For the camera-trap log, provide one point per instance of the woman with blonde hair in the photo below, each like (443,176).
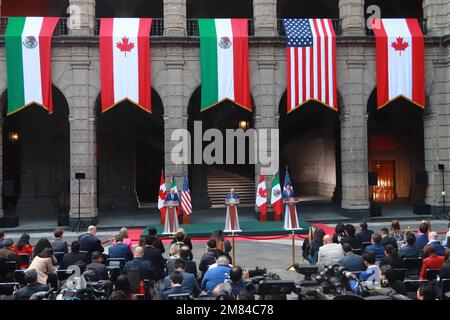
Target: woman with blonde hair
(126,239)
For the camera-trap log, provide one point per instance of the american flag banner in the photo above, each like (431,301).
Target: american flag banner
(287,178)
(311,62)
(186,204)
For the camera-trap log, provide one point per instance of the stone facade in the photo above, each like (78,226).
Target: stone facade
(176,75)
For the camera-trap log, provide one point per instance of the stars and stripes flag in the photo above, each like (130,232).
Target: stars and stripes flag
(287,179)
(186,203)
(310,62)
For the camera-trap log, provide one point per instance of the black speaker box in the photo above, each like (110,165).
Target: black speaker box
(421,209)
(375,211)
(373,178)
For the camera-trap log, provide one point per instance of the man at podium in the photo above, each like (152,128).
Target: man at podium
(171,203)
(232,219)
(290,214)
(172,196)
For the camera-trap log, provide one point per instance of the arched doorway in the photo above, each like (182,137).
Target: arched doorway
(129,8)
(308,9)
(130,156)
(396,151)
(211,182)
(36,160)
(396,9)
(219,9)
(310,148)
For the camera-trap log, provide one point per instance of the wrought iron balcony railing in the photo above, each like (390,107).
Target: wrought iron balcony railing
(156,31)
(60,30)
(422,23)
(337,24)
(192,28)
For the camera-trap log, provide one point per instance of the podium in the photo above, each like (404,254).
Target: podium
(232,218)
(290,214)
(171,223)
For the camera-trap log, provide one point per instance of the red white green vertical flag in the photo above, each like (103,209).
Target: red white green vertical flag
(276,200)
(224,62)
(400,60)
(28,42)
(125,62)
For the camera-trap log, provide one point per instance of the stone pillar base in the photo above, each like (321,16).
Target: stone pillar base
(359,214)
(9,221)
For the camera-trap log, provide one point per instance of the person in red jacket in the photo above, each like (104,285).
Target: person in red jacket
(433,261)
(23,247)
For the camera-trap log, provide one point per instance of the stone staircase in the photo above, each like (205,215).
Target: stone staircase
(219,184)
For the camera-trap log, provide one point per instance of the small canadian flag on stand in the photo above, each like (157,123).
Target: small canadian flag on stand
(162,197)
(261,198)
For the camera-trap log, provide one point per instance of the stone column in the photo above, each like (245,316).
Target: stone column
(354,155)
(175,114)
(175,18)
(83,153)
(437,13)
(82,17)
(265,17)
(352,14)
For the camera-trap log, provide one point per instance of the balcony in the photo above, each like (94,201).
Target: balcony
(337,24)
(193,31)
(156,31)
(422,23)
(60,30)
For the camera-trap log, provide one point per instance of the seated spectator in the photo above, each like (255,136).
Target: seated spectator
(330,253)
(396,232)
(316,241)
(122,284)
(386,239)
(98,266)
(208,257)
(445,269)
(218,235)
(351,261)
(118,295)
(120,249)
(410,250)
(2,238)
(184,238)
(43,264)
(58,244)
(372,274)
(422,238)
(7,252)
(217,275)
(222,291)
(236,281)
(176,282)
(135,279)
(339,233)
(432,260)
(391,258)
(364,234)
(185,253)
(376,248)
(426,292)
(350,237)
(152,254)
(175,246)
(41,245)
(433,236)
(447,237)
(32,286)
(23,246)
(190,282)
(388,277)
(74,256)
(157,242)
(89,242)
(125,238)
(145,266)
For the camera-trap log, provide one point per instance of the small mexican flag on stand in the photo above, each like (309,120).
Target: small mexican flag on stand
(173,186)
(28,42)
(276,199)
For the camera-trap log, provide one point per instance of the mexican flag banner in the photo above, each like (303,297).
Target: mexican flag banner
(28,42)
(224,62)
(125,62)
(276,200)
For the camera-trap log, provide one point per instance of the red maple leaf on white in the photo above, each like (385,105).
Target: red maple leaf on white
(262,193)
(125,45)
(400,45)
(162,195)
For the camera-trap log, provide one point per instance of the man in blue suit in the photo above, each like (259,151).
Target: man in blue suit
(190,283)
(232,194)
(172,196)
(288,192)
(120,249)
(176,283)
(376,247)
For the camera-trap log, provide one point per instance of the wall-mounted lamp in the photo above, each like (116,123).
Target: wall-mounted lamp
(243,125)
(14,137)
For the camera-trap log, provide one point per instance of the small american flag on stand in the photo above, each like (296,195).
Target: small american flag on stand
(310,62)
(186,203)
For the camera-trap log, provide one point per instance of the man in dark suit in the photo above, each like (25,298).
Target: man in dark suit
(155,257)
(145,267)
(391,258)
(176,282)
(365,235)
(158,243)
(7,253)
(73,257)
(410,250)
(58,244)
(422,239)
(386,239)
(120,249)
(98,266)
(351,261)
(172,195)
(350,237)
(376,248)
(32,286)
(209,257)
(89,242)
(190,282)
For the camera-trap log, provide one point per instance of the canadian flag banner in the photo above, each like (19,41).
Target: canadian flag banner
(125,62)
(261,198)
(400,60)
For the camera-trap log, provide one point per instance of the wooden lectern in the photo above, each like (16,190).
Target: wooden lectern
(291,221)
(171,223)
(232,219)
